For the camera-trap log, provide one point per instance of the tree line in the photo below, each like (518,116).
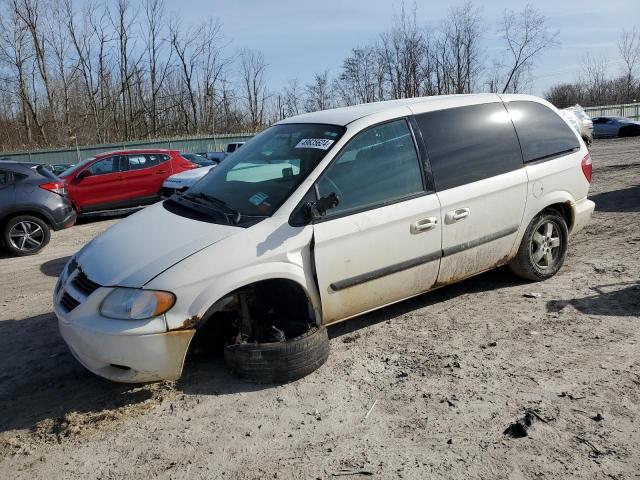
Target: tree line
(597,82)
(99,72)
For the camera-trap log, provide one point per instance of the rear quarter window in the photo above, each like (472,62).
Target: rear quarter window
(468,144)
(542,133)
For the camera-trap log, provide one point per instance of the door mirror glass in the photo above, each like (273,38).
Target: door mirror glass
(315,210)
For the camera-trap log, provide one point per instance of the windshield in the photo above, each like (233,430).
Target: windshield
(74,168)
(197,159)
(261,175)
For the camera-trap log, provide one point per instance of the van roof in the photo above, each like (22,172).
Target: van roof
(345,115)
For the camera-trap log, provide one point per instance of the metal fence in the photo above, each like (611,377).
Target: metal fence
(75,154)
(629,110)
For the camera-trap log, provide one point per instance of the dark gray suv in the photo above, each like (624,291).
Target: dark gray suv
(32,201)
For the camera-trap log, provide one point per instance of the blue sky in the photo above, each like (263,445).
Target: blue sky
(300,37)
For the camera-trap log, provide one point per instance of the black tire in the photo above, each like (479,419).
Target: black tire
(629,131)
(25,235)
(279,362)
(528,263)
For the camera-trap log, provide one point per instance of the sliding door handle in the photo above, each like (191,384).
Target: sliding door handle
(457,215)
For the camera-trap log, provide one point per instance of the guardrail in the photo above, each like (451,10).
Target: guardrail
(75,154)
(629,110)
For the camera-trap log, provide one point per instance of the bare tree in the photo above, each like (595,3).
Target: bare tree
(526,35)
(293,98)
(460,43)
(253,69)
(318,92)
(629,49)
(359,77)
(16,53)
(212,67)
(28,12)
(188,48)
(158,57)
(402,52)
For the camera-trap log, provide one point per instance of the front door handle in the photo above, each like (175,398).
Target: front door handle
(457,215)
(424,224)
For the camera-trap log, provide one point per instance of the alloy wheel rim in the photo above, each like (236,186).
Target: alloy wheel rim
(545,245)
(26,236)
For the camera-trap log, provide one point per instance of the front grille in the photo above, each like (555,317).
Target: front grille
(83,284)
(68,302)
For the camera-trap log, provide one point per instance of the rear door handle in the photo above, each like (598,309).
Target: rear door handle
(424,224)
(457,215)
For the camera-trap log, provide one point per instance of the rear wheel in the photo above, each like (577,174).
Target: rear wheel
(543,248)
(25,235)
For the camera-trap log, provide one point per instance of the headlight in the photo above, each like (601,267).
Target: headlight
(135,304)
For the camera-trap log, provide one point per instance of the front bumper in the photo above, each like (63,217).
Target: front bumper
(582,210)
(119,350)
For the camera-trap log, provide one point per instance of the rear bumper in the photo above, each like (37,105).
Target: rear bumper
(582,210)
(66,222)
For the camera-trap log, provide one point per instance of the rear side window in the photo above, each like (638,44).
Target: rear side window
(468,144)
(138,162)
(542,133)
(379,165)
(46,173)
(5,177)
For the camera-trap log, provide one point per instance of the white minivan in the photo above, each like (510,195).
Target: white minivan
(320,218)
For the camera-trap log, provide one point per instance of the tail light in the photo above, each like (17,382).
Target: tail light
(56,187)
(587,167)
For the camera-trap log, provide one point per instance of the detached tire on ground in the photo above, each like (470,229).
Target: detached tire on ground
(543,248)
(279,362)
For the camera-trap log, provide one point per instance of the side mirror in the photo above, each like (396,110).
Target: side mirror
(318,209)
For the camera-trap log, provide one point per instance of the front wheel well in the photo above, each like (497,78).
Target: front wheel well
(259,311)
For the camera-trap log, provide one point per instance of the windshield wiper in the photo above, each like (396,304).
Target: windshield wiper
(233,216)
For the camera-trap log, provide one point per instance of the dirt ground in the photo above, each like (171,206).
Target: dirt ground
(423,389)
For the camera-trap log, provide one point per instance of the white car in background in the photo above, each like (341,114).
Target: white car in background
(580,121)
(183,180)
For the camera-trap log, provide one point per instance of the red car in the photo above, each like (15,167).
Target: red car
(121,179)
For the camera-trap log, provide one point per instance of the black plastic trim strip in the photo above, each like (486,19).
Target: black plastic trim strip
(383,272)
(479,241)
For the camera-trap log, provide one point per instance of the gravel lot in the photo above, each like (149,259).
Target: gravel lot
(423,389)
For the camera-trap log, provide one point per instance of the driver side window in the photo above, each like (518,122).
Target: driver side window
(379,165)
(104,166)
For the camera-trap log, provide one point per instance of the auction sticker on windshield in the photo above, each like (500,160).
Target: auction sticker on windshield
(319,143)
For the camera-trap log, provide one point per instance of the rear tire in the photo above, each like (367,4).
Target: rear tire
(25,235)
(543,248)
(279,362)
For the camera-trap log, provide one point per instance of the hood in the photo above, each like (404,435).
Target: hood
(190,175)
(138,248)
